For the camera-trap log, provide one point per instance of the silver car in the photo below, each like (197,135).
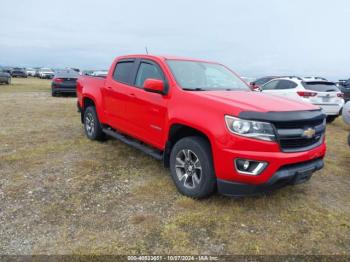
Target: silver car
(5,77)
(346,116)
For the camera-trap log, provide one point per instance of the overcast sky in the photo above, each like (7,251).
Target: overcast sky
(255,37)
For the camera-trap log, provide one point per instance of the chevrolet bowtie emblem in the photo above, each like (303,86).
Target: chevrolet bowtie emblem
(309,133)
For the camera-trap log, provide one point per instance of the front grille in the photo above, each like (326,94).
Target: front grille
(298,124)
(291,135)
(298,143)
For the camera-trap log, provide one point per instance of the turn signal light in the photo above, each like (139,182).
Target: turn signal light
(340,95)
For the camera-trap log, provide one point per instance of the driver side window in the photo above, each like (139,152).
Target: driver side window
(270,85)
(146,71)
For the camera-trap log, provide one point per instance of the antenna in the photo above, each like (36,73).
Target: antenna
(146,50)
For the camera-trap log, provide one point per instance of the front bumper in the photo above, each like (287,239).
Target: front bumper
(65,90)
(286,175)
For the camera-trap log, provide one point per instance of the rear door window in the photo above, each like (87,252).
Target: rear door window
(123,72)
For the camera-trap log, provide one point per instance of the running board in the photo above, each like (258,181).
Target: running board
(157,154)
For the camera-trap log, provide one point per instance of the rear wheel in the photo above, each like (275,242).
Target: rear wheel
(92,125)
(331,119)
(192,168)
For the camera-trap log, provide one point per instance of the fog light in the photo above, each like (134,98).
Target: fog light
(249,167)
(246,165)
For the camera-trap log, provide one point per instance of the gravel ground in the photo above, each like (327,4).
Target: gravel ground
(63,194)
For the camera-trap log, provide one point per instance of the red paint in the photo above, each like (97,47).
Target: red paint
(148,116)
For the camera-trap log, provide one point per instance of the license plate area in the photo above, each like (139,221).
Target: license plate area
(326,99)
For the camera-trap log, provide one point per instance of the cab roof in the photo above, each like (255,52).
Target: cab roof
(163,57)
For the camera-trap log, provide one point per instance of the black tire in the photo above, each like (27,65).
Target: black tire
(349,139)
(203,179)
(54,94)
(331,119)
(92,126)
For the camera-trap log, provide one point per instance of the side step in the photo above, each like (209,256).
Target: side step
(157,154)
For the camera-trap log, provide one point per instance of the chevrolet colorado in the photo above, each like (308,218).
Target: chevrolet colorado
(205,123)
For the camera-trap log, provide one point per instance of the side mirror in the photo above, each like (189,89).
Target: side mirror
(154,85)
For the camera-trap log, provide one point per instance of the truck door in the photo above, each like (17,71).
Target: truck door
(116,94)
(147,111)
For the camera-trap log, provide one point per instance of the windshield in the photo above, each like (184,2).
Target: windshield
(321,86)
(193,75)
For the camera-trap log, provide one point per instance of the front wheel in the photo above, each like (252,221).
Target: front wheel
(92,125)
(191,167)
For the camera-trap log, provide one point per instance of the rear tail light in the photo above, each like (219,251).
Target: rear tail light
(340,95)
(58,80)
(306,94)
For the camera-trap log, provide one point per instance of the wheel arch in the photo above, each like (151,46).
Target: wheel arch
(178,131)
(86,102)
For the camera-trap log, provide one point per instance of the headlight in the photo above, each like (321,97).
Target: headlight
(253,129)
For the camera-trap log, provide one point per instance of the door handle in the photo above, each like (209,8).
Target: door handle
(109,87)
(132,95)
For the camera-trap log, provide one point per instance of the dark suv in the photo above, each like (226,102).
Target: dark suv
(19,72)
(345,88)
(5,77)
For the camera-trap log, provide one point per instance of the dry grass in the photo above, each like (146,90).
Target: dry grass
(61,194)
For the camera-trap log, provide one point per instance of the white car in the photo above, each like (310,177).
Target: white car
(319,92)
(46,73)
(100,73)
(30,71)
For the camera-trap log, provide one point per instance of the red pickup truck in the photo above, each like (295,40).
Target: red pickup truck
(205,123)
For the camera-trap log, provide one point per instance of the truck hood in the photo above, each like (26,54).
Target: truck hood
(255,101)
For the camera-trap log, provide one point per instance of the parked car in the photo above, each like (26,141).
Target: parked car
(345,88)
(321,93)
(46,73)
(64,82)
(100,73)
(341,82)
(30,71)
(7,70)
(19,72)
(205,123)
(346,116)
(87,72)
(5,78)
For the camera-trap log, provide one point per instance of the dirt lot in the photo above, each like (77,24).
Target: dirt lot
(63,194)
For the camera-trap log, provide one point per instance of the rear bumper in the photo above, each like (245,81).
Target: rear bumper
(333,109)
(286,175)
(70,90)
